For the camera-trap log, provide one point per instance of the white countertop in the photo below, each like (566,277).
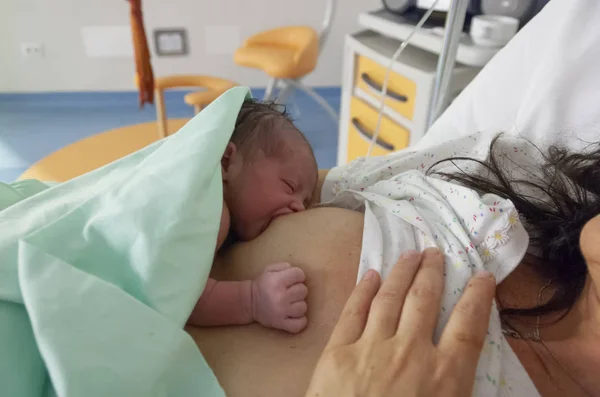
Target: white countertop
(397,27)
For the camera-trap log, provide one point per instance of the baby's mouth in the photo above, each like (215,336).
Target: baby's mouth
(266,225)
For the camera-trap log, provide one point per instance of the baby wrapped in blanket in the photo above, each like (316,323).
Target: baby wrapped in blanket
(268,170)
(99,274)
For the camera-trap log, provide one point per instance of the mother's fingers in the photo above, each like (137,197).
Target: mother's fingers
(422,304)
(352,321)
(387,305)
(465,332)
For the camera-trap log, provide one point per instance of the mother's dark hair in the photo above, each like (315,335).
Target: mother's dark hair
(566,196)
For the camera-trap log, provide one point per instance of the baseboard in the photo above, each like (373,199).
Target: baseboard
(121,97)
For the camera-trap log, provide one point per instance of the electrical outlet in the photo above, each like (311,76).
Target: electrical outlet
(32,50)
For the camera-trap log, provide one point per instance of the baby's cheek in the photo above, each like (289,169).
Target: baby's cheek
(224,226)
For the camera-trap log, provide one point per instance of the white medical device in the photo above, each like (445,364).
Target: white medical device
(388,70)
(455,19)
(442,5)
(523,10)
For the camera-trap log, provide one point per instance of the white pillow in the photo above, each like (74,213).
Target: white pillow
(544,85)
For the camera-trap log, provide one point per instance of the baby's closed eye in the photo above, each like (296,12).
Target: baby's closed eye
(290,185)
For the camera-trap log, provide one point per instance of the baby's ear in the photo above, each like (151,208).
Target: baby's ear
(227,159)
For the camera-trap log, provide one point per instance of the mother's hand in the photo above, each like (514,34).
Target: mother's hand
(383,342)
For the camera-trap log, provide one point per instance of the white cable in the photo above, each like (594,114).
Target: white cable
(389,69)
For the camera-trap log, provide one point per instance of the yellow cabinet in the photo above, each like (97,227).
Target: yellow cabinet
(401,92)
(408,97)
(363,120)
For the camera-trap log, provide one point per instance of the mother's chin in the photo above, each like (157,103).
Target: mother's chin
(589,242)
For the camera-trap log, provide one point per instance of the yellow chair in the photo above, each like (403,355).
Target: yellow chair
(283,53)
(287,55)
(95,151)
(213,88)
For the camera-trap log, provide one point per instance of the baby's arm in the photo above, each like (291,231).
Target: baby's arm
(224,303)
(277,299)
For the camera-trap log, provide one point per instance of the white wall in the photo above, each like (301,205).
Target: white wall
(65,67)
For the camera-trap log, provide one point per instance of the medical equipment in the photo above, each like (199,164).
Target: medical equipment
(455,20)
(454,24)
(398,6)
(523,10)
(539,86)
(446,5)
(493,30)
(389,69)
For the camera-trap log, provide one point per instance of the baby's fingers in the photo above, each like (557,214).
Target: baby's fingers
(277,267)
(291,276)
(294,325)
(297,309)
(297,292)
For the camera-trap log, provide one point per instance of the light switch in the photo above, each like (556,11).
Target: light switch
(170,42)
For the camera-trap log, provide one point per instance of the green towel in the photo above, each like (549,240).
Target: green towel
(14,192)
(98,275)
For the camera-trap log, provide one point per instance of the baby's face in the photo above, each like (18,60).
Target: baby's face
(268,188)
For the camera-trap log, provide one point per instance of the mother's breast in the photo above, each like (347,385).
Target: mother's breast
(255,361)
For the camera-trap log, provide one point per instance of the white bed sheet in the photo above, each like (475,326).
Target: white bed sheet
(544,85)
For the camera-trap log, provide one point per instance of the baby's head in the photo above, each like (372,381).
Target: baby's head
(269,169)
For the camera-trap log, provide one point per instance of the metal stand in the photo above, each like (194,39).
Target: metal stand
(270,90)
(317,98)
(290,85)
(454,25)
(330,7)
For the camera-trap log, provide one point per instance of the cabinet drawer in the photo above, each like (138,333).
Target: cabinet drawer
(401,91)
(363,120)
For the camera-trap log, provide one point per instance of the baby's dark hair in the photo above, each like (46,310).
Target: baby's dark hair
(259,126)
(567,196)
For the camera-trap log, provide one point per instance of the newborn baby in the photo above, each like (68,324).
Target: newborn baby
(269,170)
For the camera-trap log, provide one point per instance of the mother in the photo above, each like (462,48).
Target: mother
(550,304)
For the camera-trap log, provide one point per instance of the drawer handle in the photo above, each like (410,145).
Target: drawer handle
(369,136)
(375,86)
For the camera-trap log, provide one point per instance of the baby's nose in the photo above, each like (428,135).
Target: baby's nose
(297,206)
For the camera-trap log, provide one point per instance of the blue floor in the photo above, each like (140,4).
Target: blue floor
(35,125)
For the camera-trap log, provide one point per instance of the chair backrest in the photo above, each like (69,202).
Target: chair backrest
(305,41)
(330,7)
(214,84)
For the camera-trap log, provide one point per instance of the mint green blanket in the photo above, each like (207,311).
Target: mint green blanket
(98,275)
